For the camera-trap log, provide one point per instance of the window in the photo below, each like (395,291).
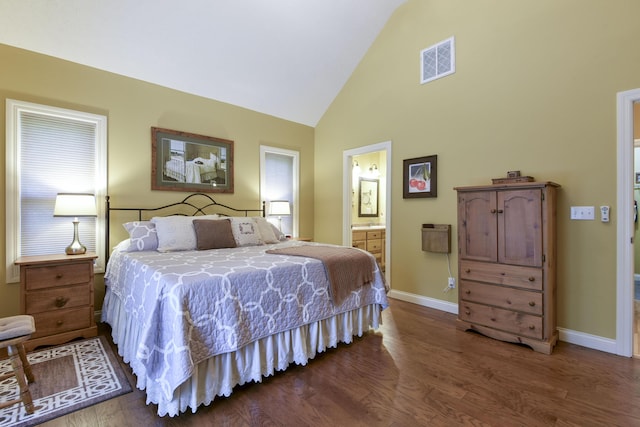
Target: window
(279,177)
(49,151)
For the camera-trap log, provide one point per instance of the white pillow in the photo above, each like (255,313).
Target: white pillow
(245,231)
(176,233)
(265,229)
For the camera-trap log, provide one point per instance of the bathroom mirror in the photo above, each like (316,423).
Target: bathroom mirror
(368,197)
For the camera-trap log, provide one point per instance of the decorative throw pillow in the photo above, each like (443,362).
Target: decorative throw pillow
(245,231)
(142,236)
(265,229)
(176,233)
(213,234)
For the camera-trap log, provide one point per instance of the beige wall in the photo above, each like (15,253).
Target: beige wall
(132,108)
(534,90)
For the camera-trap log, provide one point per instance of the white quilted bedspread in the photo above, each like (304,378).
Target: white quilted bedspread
(195,304)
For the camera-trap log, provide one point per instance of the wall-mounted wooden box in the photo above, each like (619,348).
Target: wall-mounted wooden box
(436,238)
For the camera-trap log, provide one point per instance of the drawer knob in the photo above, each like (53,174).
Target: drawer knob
(59,276)
(467,312)
(532,303)
(532,279)
(59,322)
(493,211)
(61,301)
(508,301)
(467,270)
(467,291)
(493,319)
(500,211)
(532,327)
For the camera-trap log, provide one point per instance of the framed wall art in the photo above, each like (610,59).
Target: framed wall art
(368,197)
(182,161)
(420,177)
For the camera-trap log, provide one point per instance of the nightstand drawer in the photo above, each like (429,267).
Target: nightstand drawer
(57,275)
(55,322)
(58,299)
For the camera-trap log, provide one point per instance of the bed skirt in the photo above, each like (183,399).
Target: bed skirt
(218,375)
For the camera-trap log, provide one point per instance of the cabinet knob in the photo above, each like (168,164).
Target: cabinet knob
(61,301)
(500,211)
(493,211)
(532,279)
(532,303)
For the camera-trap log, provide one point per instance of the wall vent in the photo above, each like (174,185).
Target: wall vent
(438,60)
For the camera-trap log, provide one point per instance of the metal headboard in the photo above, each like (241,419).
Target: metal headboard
(194,204)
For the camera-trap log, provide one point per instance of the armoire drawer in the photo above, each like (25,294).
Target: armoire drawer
(500,296)
(505,320)
(510,275)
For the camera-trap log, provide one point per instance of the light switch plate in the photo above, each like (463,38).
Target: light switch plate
(583,212)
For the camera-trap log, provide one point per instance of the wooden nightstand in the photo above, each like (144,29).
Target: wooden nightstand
(57,290)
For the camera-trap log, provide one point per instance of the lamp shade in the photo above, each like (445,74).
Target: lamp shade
(279,207)
(75,205)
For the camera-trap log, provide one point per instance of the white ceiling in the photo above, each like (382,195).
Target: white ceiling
(286,58)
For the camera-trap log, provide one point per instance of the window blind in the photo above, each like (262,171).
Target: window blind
(57,155)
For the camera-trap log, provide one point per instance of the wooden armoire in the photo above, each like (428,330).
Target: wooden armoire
(507,262)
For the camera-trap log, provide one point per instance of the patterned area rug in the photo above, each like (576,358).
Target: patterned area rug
(68,378)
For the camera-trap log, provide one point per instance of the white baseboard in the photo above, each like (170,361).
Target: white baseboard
(449,307)
(587,340)
(567,335)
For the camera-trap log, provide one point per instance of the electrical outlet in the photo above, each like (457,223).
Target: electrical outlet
(452,282)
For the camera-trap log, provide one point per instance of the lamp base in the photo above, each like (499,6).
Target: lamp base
(75,248)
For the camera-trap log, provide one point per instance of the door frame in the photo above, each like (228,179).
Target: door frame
(347,185)
(624,217)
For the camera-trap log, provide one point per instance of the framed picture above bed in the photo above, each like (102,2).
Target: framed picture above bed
(182,161)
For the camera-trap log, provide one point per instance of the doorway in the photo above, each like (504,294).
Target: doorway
(374,165)
(625,222)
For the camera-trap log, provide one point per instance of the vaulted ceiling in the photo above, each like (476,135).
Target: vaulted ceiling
(285,58)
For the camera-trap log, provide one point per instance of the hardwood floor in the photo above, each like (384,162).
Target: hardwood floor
(417,370)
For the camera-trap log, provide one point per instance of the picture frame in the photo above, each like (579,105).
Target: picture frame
(368,197)
(420,177)
(182,161)
(637,183)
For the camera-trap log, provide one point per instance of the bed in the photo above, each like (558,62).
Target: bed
(195,322)
(197,171)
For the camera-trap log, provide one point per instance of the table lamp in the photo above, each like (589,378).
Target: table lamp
(75,205)
(279,208)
